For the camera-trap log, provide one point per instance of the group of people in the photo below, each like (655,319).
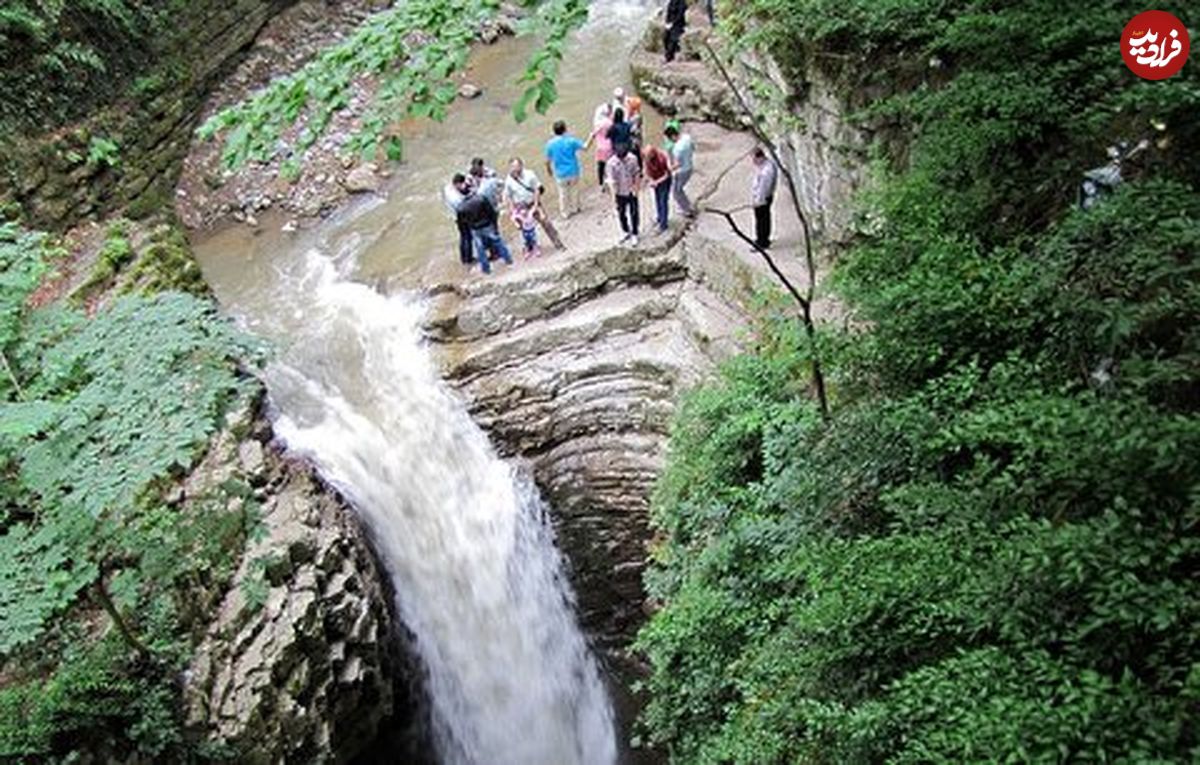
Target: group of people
(625,165)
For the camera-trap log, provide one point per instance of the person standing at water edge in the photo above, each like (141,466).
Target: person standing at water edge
(523,189)
(562,161)
(618,100)
(682,151)
(625,181)
(762,192)
(620,132)
(480,216)
(658,172)
(484,181)
(453,198)
(599,137)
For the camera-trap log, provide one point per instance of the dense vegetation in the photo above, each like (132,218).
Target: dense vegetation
(991,550)
(63,59)
(103,579)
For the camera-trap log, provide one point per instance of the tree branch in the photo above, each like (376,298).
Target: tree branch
(114,613)
(805,300)
(769,145)
(12,377)
(728,216)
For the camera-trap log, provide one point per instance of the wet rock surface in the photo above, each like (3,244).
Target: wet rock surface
(303,660)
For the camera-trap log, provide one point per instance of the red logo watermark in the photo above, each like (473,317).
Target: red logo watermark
(1154,45)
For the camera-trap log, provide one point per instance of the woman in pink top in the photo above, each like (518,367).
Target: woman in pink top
(604,146)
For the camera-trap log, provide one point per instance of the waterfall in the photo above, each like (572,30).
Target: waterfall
(467,542)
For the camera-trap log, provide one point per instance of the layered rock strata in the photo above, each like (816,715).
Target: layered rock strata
(576,365)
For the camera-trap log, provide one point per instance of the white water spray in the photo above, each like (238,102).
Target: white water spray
(466,542)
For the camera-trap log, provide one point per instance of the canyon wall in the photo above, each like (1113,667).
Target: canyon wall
(53,176)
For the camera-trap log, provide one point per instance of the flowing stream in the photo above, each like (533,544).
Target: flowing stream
(466,540)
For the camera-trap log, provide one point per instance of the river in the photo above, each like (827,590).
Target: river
(466,539)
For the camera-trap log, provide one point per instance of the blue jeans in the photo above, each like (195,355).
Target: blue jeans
(678,184)
(662,203)
(488,238)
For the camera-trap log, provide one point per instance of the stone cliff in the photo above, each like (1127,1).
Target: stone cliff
(53,177)
(575,364)
(303,660)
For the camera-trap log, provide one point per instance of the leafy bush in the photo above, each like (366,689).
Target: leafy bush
(62,57)
(98,574)
(990,551)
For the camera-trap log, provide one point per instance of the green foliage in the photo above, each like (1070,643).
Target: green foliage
(23,256)
(412,50)
(101,415)
(95,689)
(166,263)
(62,57)
(553,23)
(103,151)
(990,552)
(1011,101)
(115,254)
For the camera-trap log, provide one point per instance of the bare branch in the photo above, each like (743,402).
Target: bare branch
(728,215)
(805,300)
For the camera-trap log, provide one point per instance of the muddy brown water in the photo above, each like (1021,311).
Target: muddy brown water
(405,238)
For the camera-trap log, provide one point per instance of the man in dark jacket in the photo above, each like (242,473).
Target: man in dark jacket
(676,22)
(477,214)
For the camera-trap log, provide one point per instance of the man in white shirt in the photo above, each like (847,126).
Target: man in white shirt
(762,193)
(522,189)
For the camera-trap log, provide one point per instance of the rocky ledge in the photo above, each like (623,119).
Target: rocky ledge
(575,363)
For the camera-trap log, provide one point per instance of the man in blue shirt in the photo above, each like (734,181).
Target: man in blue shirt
(562,162)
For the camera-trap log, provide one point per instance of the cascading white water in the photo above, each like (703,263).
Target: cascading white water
(466,541)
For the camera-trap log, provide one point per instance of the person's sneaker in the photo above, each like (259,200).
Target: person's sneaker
(624,239)
(633,241)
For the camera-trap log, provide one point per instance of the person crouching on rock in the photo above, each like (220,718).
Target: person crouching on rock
(523,189)
(479,215)
(625,181)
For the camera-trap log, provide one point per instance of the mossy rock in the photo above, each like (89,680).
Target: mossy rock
(167,263)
